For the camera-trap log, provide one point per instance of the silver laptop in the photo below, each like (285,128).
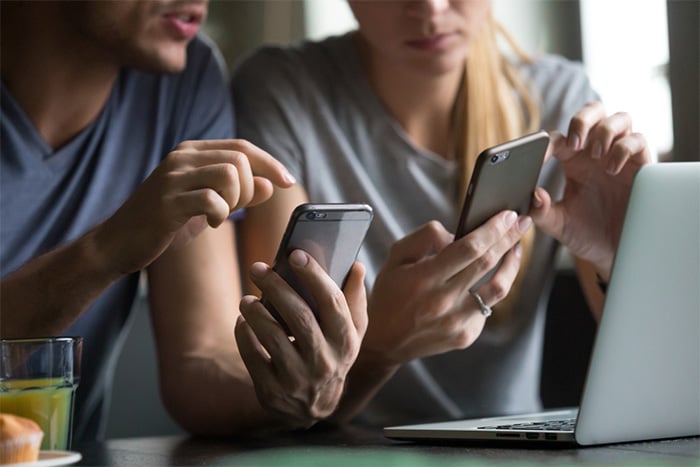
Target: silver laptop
(643,379)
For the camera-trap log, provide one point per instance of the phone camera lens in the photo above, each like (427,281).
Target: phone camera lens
(315,215)
(500,157)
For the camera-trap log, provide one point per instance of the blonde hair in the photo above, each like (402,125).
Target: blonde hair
(494,105)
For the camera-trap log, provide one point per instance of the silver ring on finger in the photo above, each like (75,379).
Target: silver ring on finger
(485,309)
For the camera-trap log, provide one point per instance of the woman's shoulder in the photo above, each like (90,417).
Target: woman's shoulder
(549,71)
(561,86)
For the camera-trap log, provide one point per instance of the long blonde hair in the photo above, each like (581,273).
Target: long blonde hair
(494,105)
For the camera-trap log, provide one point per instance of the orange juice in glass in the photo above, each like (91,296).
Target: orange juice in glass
(38,378)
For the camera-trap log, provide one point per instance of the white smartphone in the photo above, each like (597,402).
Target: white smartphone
(504,178)
(332,234)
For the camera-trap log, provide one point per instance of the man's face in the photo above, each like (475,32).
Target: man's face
(148,34)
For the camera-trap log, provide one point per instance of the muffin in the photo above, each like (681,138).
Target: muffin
(20,439)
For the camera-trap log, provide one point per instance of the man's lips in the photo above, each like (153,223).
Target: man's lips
(184,23)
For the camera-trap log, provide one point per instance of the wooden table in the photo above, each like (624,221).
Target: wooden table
(364,447)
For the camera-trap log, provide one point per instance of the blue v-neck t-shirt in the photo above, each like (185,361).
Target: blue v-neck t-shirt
(49,197)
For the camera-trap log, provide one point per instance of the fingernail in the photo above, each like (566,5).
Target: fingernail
(510,218)
(258,270)
(247,300)
(612,167)
(290,178)
(298,258)
(518,250)
(597,151)
(524,223)
(574,141)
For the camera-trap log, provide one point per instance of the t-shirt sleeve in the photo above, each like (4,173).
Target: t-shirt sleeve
(563,89)
(269,104)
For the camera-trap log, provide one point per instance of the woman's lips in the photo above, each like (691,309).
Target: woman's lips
(435,42)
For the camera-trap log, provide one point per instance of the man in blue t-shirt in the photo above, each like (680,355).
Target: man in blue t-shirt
(117,157)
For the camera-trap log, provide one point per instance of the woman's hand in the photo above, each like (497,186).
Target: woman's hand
(302,379)
(421,304)
(600,158)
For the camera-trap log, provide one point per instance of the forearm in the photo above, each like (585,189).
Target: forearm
(213,396)
(366,377)
(48,293)
(194,295)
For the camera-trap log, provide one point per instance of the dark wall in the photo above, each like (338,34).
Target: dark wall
(684,77)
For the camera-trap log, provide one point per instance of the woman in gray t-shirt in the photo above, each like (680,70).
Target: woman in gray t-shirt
(393,115)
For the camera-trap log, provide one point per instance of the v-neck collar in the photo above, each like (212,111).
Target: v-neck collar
(366,93)
(40,153)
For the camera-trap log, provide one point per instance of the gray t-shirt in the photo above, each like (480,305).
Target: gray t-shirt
(311,106)
(49,197)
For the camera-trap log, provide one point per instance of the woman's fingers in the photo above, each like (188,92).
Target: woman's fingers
(581,124)
(472,256)
(497,288)
(549,217)
(631,148)
(425,241)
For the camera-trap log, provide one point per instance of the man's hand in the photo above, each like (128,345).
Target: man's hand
(301,380)
(199,183)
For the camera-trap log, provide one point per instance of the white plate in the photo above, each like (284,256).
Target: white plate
(51,458)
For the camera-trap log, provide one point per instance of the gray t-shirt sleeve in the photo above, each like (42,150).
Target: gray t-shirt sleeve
(562,87)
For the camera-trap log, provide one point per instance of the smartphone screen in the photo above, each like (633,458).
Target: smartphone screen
(332,234)
(504,177)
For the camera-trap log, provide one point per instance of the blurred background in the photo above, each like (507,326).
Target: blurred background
(641,57)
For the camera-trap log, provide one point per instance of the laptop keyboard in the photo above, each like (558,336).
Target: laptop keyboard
(550,425)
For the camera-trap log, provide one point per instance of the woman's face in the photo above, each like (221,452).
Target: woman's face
(429,36)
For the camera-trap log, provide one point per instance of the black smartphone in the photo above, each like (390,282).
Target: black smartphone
(332,234)
(504,177)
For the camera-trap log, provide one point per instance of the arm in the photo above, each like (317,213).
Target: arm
(34,299)
(194,293)
(600,157)
(199,183)
(421,303)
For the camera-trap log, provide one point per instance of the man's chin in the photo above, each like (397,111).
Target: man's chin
(172,65)
(169,62)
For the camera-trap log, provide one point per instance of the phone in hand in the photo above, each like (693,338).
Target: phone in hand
(504,178)
(332,234)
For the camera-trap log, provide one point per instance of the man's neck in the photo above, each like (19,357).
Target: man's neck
(60,87)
